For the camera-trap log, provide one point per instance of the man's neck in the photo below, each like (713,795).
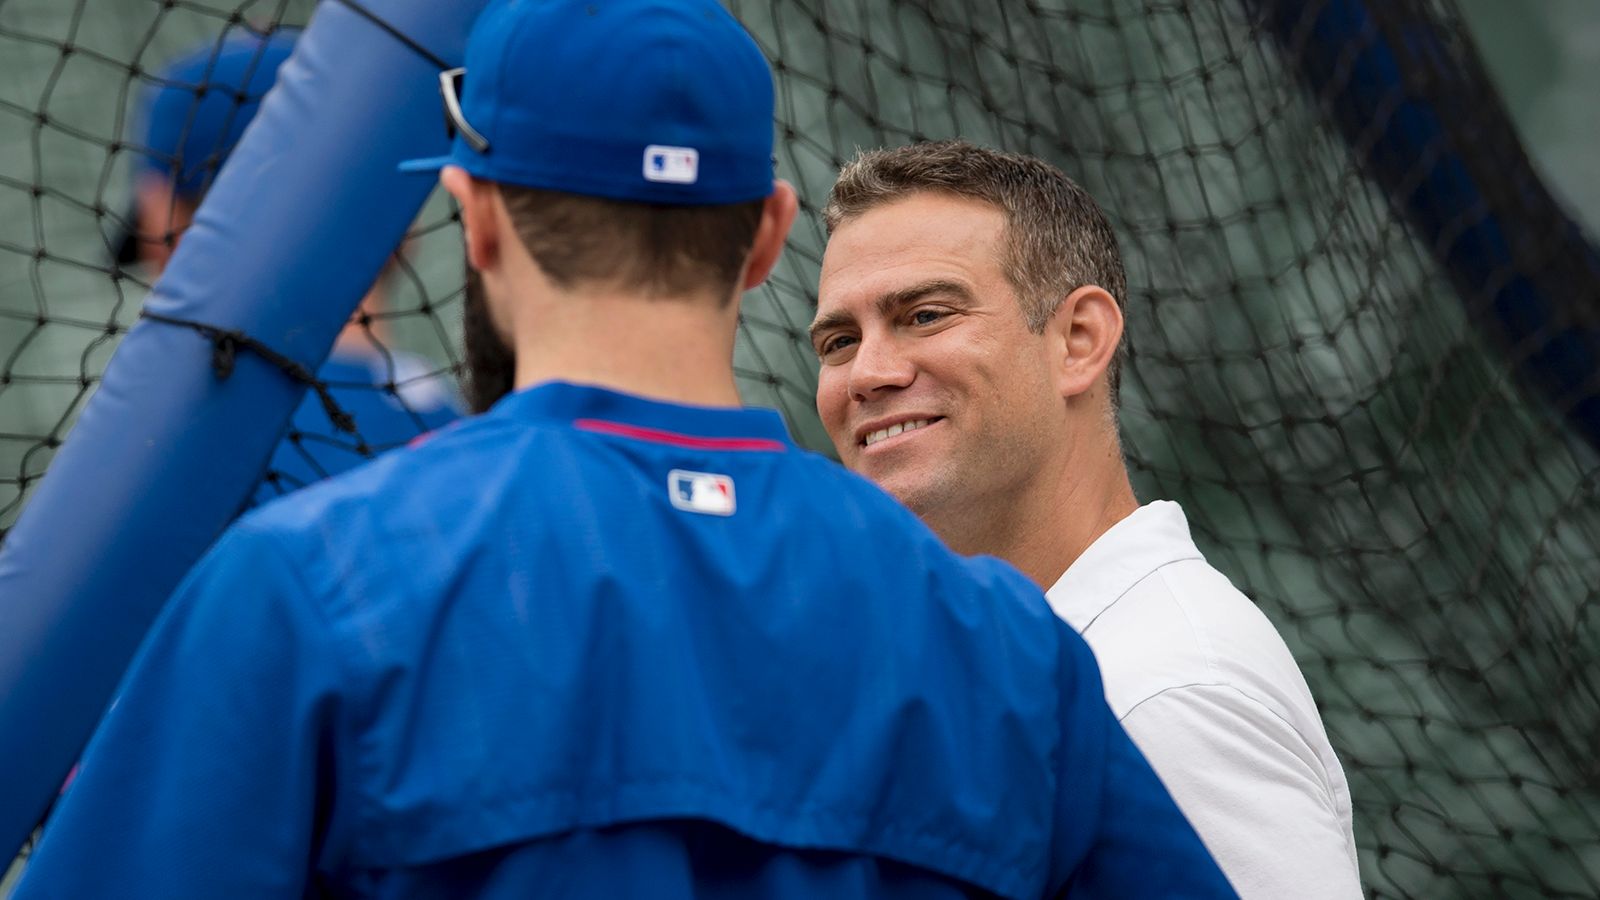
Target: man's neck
(674,349)
(1053,520)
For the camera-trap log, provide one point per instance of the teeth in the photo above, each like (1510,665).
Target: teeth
(892,430)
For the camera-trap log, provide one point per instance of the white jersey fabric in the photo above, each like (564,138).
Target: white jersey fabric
(1207,688)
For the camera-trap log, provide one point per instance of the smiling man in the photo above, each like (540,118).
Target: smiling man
(970,331)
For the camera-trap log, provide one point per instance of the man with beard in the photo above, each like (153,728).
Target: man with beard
(617,636)
(969,328)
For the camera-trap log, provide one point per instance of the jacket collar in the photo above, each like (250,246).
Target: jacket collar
(600,410)
(1150,537)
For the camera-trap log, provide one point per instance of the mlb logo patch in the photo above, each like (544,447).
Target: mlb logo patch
(675,165)
(701,492)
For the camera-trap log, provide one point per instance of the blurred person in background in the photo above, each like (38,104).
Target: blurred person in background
(189,120)
(969,329)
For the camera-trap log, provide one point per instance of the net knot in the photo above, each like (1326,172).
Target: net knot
(340,419)
(224,353)
(225,344)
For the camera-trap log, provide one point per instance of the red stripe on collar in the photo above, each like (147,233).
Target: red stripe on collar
(673,439)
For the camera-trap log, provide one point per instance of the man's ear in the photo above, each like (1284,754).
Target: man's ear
(777,214)
(1085,331)
(478,201)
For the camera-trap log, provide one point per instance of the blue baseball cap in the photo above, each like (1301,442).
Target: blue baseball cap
(199,105)
(195,111)
(649,101)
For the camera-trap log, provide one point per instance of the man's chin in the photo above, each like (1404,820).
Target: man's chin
(913,485)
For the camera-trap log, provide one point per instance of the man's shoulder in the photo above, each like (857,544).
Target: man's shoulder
(397,492)
(1241,645)
(1212,692)
(866,519)
(1188,625)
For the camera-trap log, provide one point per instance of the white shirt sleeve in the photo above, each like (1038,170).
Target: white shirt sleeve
(1252,787)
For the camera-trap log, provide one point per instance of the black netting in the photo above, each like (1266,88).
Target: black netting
(1351,447)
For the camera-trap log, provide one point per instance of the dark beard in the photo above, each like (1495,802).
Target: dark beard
(491,364)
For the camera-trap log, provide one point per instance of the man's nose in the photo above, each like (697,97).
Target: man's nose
(880,365)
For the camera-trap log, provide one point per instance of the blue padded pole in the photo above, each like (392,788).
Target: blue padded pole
(294,231)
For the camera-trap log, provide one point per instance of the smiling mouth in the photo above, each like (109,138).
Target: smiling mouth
(897,429)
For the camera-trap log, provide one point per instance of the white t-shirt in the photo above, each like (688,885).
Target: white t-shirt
(1207,689)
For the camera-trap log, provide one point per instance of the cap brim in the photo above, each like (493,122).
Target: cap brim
(426,165)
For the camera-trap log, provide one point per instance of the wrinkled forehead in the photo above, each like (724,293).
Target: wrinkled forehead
(916,239)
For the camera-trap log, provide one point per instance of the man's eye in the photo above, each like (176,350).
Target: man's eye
(835,344)
(927,316)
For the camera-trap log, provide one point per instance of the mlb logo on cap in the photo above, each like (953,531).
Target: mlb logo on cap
(692,75)
(701,492)
(677,165)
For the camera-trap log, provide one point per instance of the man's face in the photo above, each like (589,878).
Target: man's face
(931,383)
(163,217)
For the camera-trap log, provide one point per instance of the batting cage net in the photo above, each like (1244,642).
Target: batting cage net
(1374,414)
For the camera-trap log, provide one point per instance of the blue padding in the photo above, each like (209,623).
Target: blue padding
(1528,276)
(292,234)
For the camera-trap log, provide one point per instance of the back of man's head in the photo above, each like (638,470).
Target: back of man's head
(655,249)
(631,140)
(1056,239)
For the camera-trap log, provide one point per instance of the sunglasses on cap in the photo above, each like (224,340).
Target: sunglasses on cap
(450,82)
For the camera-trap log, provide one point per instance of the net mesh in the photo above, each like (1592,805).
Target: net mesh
(1302,375)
